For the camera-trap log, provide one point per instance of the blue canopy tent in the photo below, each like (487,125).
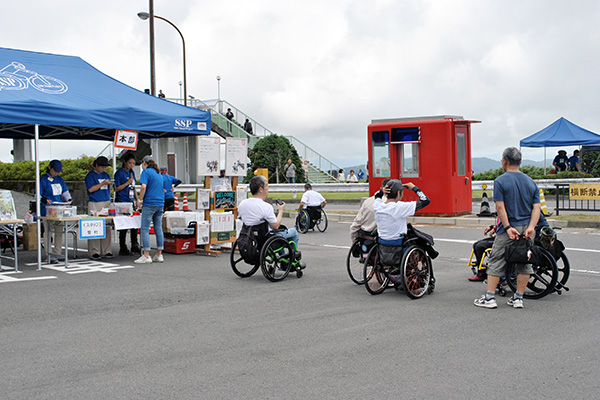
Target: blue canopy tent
(561,132)
(50,96)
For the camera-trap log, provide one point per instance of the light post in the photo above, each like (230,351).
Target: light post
(145,16)
(180,93)
(219,93)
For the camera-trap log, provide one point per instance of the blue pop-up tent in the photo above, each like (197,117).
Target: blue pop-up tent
(69,99)
(50,96)
(561,132)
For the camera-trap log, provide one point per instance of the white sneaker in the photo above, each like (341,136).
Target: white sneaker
(158,258)
(143,260)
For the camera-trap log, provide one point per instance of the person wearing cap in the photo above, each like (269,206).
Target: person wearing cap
(152,198)
(560,161)
(53,190)
(98,184)
(574,162)
(169,185)
(125,193)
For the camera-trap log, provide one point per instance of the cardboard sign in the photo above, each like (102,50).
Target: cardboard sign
(125,139)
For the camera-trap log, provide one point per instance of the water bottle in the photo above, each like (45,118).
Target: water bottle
(131,192)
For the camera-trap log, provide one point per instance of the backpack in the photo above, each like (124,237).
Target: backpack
(248,242)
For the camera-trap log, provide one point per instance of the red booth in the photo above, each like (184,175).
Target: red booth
(434,153)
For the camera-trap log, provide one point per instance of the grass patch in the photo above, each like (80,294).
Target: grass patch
(577,217)
(327,195)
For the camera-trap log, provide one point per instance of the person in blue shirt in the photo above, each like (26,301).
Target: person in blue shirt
(98,184)
(169,183)
(560,161)
(125,193)
(574,162)
(53,190)
(152,198)
(361,175)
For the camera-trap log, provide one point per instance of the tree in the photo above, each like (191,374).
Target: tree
(272,152)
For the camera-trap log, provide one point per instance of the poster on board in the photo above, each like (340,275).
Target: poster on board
(209,156)
(236,156)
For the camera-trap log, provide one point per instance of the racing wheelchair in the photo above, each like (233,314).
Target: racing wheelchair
(355,261)
(407,268)
(550,273)
(311,217)
(258,247)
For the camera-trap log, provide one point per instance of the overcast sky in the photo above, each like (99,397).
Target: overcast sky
(322,70)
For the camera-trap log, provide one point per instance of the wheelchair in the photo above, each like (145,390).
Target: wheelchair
(357,255)
(311,217)
(413,274)
(277,256)
(550,273)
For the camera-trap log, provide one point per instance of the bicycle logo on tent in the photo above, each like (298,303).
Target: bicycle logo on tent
(15,77)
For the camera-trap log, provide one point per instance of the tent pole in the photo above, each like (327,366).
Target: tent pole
(37,197)
(544,160)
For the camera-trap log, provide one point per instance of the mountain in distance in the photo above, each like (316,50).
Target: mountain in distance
(479,164)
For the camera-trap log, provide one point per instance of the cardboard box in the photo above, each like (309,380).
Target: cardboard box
(29,236)
(180,244)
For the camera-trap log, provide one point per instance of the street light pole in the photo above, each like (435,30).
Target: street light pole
(219,93)
(144,16)
(152,52)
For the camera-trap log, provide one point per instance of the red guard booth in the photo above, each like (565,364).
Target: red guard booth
(434,153)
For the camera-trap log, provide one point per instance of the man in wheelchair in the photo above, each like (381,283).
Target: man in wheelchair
(391,213)
(313,201)
(256,213)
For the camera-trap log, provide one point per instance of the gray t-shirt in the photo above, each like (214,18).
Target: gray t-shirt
(290,170)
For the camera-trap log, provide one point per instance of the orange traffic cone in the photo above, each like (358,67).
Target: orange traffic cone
(185,203)
(176,202)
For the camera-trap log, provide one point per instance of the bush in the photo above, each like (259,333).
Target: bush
(73,170)
(533,173)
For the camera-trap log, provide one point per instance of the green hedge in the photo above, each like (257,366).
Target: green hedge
(73,170)
(533,172)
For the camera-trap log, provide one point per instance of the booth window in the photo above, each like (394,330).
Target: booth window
(381,154)
(407,140)
(461,154)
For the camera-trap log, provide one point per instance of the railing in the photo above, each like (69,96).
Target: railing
(564,202)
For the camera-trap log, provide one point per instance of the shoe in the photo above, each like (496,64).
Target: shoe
(143,260)
(108,255)
(158,258)
(302,265)
(476,278)
(95,257)
(53,261)
(516,303)
(125,252)
(485,303)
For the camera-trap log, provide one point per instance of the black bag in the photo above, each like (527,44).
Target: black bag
(521,251)
(248,242)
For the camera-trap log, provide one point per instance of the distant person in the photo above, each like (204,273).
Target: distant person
(169,185)
(361,175)
(574,162)
(290,171)
(229,116)
(147,91)
(98,185)
(125,193)
(248,126)
(560,161)
(161,94)
(352,177)
(311,198)
(341,176)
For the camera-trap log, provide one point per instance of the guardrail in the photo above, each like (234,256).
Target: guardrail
(542,183)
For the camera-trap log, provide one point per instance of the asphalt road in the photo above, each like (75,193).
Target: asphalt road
(191,329)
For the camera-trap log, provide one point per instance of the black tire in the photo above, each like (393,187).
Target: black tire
(303,222)
(322,223)
(356,265)
(564,268)
(276,258)
(415,272)
(376,281)
(541,282)
(239,266)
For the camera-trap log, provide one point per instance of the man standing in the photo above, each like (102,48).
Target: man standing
(518,204)
(229,116)
(290,171)
(248,126)
(169,185)
(574,162)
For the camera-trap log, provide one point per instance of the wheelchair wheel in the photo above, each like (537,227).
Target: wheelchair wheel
(239,266)
(416,272)
(355,263)
(376,281)
(276,258)
(303,222)
(564,268)
(541,282)
(322,223)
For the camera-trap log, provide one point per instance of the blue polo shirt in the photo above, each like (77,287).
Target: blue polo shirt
(51,189)
(155,194)
(168,182)
(519,193)
(122,176)
(93,178)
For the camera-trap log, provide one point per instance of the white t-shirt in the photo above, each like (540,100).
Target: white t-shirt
(391,217)
(255,211)
(310,198)
(352,178)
